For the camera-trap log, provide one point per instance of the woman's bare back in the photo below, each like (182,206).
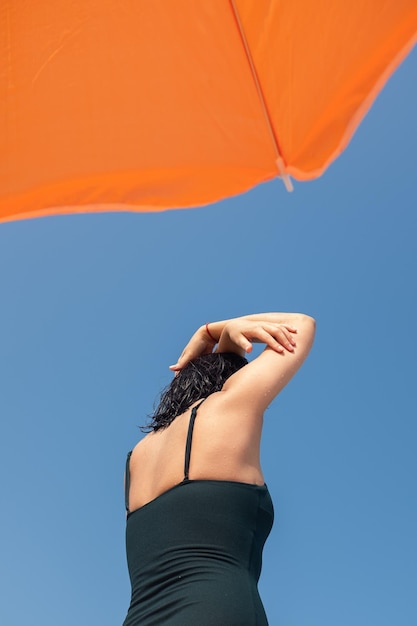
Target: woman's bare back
(223,448)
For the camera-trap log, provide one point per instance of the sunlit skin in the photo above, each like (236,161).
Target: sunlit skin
(227,434)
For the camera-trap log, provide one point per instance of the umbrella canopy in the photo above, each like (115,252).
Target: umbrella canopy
(116,105)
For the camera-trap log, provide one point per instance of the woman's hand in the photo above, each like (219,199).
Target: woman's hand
(199,344)
(239,334)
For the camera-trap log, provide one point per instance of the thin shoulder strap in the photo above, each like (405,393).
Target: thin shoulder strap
(189,439)
(127,480)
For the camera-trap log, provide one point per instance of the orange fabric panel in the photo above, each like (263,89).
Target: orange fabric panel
(321,65)
(115,105)
(113,101)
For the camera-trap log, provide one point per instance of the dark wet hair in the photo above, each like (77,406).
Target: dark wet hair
(198,379)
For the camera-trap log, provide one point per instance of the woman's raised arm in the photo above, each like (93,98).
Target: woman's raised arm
(253,387)
(206,337)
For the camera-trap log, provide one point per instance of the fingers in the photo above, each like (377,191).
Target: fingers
(197,346)
(291,329)
(181,361)
(186,357)
(283,336)
(275,338)
(243,342)
(279,337)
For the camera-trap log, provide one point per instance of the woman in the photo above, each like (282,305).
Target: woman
(199,511)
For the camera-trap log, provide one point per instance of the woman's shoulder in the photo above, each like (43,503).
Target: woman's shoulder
(225,421)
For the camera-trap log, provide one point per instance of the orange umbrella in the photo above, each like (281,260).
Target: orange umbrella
(149,105)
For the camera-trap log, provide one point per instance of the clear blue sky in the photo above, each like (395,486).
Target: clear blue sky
(95,307)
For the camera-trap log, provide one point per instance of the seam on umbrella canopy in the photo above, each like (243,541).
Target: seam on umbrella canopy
(281,165)
(376,38)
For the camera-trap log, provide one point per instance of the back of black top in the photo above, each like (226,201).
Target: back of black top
(195,552)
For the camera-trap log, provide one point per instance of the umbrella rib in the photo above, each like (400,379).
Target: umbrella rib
(279,159)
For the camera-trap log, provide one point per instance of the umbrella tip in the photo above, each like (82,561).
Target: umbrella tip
(287,182)
(283,174)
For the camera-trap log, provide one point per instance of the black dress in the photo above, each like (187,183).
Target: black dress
(194,553)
